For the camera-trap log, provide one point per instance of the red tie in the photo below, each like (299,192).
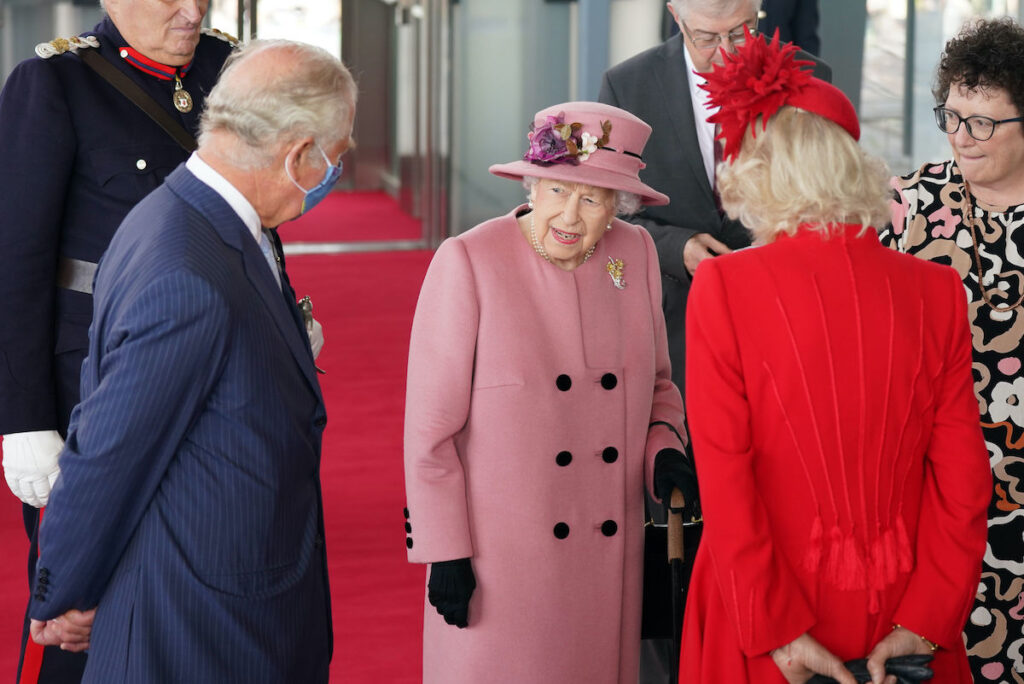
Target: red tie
(718,159)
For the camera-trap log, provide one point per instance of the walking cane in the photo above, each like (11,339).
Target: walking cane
(675,560)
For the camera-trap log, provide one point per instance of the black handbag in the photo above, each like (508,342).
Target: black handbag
(657,621)
(908,669)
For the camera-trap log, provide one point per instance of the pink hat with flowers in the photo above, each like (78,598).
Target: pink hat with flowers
(589,143)
(760,78)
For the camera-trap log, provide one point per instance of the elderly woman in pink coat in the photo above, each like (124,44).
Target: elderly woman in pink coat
(539,406)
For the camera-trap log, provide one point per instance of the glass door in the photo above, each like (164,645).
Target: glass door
(398,51)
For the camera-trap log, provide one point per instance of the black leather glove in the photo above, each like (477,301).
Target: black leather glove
(673,470)
(449,589)
(909,669)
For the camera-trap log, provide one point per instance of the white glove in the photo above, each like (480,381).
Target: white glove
(30,464)
(316,336)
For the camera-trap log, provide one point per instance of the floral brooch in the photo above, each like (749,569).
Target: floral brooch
(558,142)
(615,268)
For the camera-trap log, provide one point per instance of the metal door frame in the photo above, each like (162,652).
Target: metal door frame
(429,165)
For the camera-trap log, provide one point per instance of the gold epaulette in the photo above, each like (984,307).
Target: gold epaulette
(58,46)
(226,37)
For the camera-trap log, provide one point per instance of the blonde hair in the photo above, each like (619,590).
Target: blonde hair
(803,169)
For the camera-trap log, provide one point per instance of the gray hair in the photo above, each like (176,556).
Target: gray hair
(626,203)
(317,100)
(712,8)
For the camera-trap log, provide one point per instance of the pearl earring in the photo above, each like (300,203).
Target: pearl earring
(609,226)
(529,204)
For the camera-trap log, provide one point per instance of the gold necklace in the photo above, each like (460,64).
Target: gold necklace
(539,249)
(967,207)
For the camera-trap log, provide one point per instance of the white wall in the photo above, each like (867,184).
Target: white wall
(635,26)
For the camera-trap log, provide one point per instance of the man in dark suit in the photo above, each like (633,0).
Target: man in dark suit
(659,86)
(188,508)
(797,21)
(77,156)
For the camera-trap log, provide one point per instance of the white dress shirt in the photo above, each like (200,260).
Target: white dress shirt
(220,185)
(701,112)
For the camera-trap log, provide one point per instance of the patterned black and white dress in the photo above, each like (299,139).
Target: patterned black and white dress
(928,221)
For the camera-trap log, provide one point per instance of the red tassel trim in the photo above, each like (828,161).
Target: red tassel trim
(834,569)
(812,561)
(853,564)
(852,573)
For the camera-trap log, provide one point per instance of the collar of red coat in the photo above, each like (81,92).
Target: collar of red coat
(847,231)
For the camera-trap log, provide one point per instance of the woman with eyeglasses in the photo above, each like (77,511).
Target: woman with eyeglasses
(968,212)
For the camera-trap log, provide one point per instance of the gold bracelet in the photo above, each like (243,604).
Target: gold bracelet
(932,646)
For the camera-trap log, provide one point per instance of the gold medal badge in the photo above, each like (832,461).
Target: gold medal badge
(182,98)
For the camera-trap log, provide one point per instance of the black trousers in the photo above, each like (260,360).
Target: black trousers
(58,667)
(656,654)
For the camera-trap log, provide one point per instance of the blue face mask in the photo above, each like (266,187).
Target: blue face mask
(316,194)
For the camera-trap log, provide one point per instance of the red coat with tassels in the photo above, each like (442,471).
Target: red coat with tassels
(843,474)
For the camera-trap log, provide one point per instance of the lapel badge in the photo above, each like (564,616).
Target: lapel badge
(306,309)
(615,268)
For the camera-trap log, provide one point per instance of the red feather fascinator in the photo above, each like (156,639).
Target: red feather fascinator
(761,77)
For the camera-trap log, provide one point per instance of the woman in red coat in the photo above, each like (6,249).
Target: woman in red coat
(843,475)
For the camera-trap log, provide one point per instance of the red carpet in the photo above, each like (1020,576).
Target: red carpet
(353,217)
(365,302)
(13,582)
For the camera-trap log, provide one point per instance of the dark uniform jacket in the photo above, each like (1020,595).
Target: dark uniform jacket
(797,21)
(77,156)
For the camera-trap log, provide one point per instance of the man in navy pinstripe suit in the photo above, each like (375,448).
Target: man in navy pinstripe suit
(188,510)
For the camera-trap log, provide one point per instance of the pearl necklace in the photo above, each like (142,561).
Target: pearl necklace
(539,249)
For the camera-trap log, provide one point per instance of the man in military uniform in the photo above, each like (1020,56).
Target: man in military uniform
(78,155)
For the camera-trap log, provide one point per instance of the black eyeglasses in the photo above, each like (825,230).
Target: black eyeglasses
(978,127)
(705,40)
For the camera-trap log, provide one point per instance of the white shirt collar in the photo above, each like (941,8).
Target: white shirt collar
(228,192)
(701,112)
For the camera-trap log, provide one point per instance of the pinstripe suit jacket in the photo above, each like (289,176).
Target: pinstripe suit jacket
(189,506)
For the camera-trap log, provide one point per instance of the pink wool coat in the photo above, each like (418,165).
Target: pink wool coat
(537,399)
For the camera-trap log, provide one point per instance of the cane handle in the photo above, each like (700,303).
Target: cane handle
(675,526)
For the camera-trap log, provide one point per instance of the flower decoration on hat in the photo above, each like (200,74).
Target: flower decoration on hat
(558,142)
(755,81)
